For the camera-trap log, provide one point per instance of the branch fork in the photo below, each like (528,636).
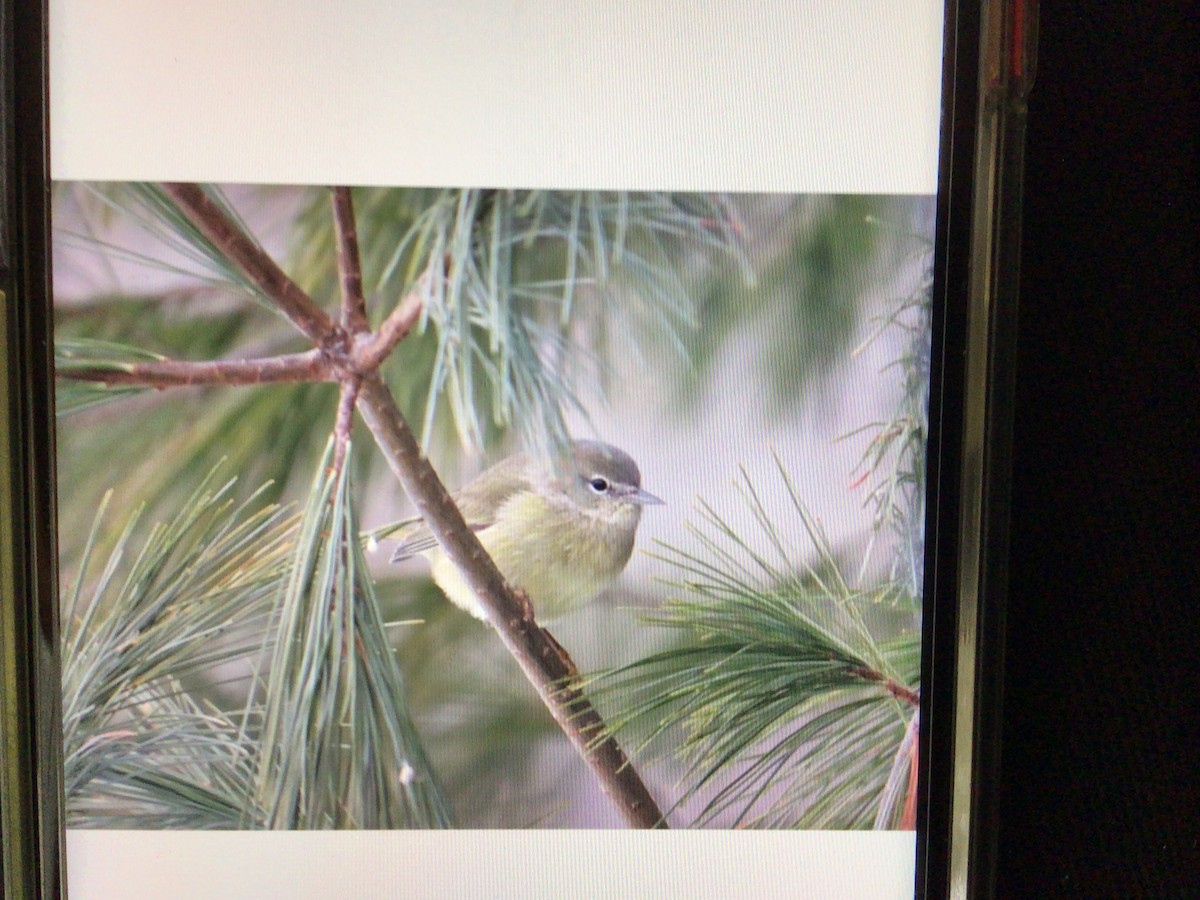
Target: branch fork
(348,353)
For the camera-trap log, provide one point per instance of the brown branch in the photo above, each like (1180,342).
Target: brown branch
(372,349)
(354,304)
(539,655)
(896,689)
(368,350)
(234,243)
(542,659)
(344,422)
(908,817)
(308,366)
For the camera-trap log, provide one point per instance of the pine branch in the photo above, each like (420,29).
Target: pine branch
(541,658)
(789,705)
(367,354)
(899,691)
(345,420)
(354,304)
(138,748)
(309,366)
(339,746)
(263,271)
(370,350)
(908,816)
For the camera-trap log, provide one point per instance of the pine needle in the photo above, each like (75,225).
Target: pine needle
(776,695)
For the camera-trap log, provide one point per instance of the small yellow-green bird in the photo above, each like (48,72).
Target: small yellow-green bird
(560,534)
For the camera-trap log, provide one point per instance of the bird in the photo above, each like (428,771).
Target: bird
(559,533)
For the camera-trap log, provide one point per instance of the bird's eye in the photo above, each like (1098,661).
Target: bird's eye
(598,484)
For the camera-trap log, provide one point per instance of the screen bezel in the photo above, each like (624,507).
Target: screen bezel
(31,799)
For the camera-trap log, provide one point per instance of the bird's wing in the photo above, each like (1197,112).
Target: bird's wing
(478,501)
(418,540)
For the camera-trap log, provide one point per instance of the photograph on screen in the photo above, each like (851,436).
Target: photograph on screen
(688,428)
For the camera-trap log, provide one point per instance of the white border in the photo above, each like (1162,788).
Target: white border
(792,95)
(831,865)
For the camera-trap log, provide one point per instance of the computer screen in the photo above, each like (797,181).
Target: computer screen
(487,431)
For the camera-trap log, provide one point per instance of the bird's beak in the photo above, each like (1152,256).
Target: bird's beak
(645,498)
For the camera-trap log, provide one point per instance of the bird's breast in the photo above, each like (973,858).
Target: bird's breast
(560,556)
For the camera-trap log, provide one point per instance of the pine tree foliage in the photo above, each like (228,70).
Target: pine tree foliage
(791,691)
(786,708)
(524,293)
(530,295)
(339,749)
(794,706)
(197,307)
(894,459)
(140,750)
(325,742)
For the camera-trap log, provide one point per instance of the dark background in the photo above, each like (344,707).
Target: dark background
(1098,795)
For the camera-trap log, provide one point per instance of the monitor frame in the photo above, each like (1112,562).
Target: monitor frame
(987,71)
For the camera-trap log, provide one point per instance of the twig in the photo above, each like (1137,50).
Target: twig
(373,349)
(896,689)
(354,305)
(275,284)
(908,817)
(539,656)
(344,423)
(312,365)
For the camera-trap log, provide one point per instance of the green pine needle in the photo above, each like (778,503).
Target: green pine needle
(339,749)
(775,697)
(195,595)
